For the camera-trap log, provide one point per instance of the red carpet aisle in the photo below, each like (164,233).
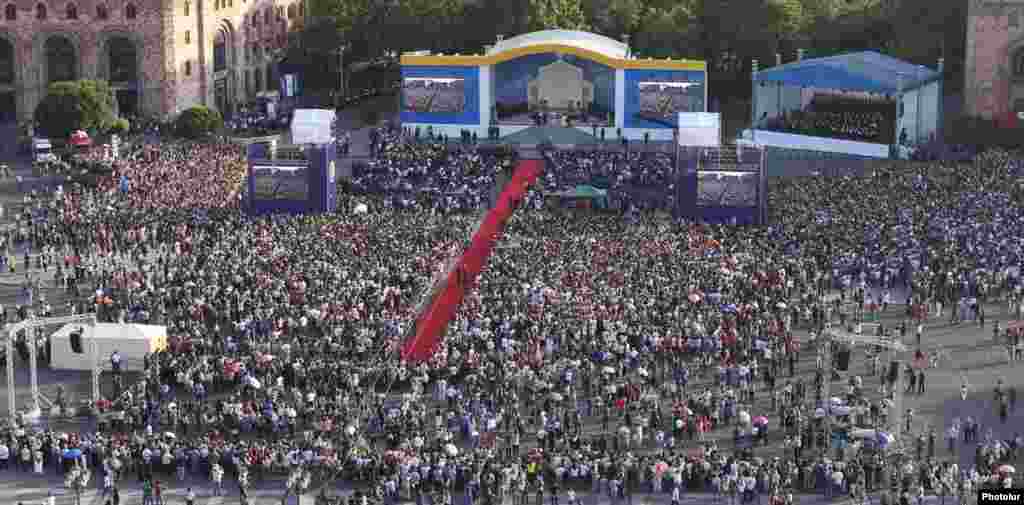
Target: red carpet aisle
(432,326)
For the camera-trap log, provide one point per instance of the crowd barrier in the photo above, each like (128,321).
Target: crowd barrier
(442,311)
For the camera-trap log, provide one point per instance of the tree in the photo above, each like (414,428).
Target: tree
(615,17)
(557,14)
(198,122)
(75,105)
(346,14)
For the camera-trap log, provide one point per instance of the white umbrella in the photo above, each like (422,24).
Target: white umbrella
(781,305)
(362,208)
(863,433)
(642,372)
(451,450)
(1007,469)
(608,369)
(819,412)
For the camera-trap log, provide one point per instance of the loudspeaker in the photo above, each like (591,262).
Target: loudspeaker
(894,371)
(76,342)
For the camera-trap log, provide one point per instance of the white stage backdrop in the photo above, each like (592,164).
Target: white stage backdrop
(700,129)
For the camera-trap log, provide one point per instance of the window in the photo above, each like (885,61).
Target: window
(129,12)
(187,8)
(101,12)
(11,12)
(1013,20)
(72,12)
(280,13)
(266,16)
(231,3)
(1018,63)
(188,68)
(302,9)
(188,36)
(291,11)
(40,12)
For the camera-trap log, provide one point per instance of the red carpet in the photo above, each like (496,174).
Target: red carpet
(432,326)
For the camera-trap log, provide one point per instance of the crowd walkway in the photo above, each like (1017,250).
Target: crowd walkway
(432,327)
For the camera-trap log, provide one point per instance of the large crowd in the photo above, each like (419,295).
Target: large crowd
(594,354)
(850,125)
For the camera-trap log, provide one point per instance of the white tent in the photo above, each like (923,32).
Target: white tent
(312,126)
(132,341)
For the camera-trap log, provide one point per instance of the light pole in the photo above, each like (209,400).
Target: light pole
(342,92)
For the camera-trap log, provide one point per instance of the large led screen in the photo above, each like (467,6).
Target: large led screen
(662,100)
(280,183)
(727,189)
(434,94)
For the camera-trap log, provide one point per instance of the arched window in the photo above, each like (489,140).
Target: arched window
(40,12)
(291,11)
(123,57)
(302,8)
(280,13)
(61,60)
(266,16)
(72,12)
(187,8)
(11,12)
(101,12)
(222,43)
(188,36)
(130,12)
(6,62)
(1018,63)
(257,81)
(231,3)
(188,68)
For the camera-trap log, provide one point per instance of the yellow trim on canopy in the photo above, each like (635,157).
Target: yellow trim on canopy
(511,54)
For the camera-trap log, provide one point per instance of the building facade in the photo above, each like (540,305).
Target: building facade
(160,56)
(994,70)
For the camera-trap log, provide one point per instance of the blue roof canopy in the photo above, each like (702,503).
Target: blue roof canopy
(864,71)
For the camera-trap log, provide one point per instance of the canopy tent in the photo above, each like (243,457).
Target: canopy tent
(598,198)
(917,89)
(864,71)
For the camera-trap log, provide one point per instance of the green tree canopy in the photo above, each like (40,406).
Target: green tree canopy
(558,14)
(197,122)
(75,105)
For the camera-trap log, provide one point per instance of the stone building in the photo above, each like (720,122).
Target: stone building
(160,56)
(994,70)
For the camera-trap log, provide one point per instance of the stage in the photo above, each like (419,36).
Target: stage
(555,119)
(566,72)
